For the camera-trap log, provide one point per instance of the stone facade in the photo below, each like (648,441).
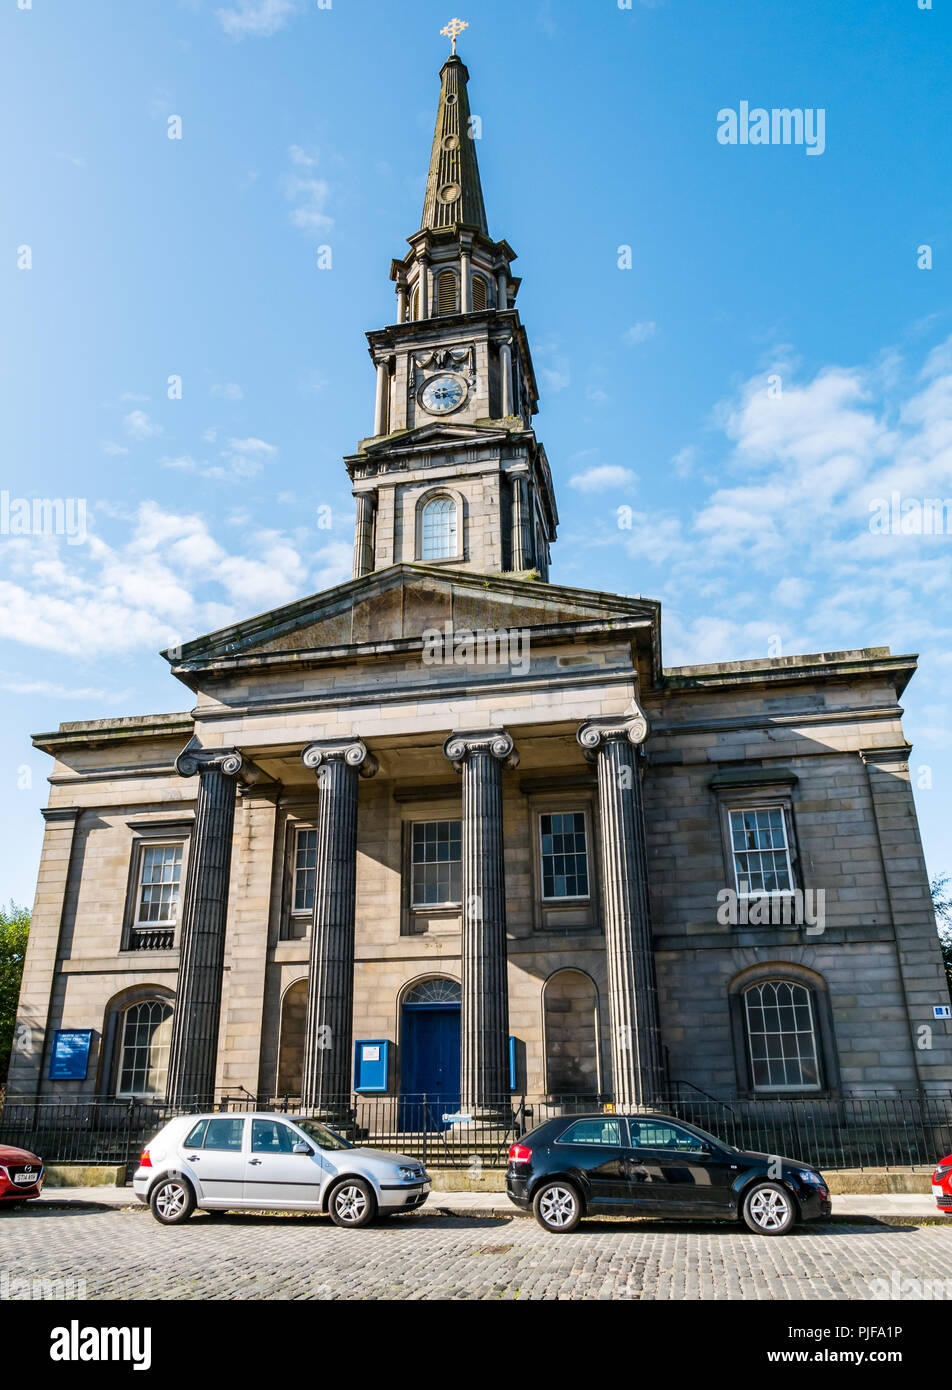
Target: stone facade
(556,829)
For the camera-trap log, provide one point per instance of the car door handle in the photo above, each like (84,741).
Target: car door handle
(193,1158)
(254,1161)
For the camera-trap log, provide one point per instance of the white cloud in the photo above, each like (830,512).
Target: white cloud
(256,18)
(602,477)
(114,450)
(140,426)
(639,332)
(308,193)
(228,391)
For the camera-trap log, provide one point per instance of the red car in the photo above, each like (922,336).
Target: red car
(942,1185)
(21,1175)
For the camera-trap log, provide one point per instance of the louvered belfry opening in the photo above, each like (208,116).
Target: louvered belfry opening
(480,293)
(446,301)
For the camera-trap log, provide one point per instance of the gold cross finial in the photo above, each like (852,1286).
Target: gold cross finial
(455,27)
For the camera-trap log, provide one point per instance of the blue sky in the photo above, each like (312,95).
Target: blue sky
(305,125)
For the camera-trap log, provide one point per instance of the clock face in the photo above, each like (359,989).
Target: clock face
(443,393)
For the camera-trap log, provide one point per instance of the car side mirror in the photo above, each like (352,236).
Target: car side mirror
(302,1148)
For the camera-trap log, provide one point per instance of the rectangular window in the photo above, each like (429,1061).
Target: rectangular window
(160,877)
(436,867)
(305,861)
(225,1134)
(760,851)
(564,855)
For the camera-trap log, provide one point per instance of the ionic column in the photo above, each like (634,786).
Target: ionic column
(484,1046)
(383,396)
(611,744)
(195,1020)
(364,533)
(330,988)
(521,532)
(505,378)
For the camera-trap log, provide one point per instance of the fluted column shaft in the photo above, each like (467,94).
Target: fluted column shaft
(521,534)
(328,1040)
(194,1047)
(364,533)
(632,990)
(484,1040)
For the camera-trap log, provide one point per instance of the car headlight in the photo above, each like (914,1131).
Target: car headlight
(808,1175)
(411,1174)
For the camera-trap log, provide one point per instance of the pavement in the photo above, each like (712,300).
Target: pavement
(496,1204)
(90,1247)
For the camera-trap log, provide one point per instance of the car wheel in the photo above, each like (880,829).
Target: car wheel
(769,1209)
(352,1203)
(557,1206)
(171,1201)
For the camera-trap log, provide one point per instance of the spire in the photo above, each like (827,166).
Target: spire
(453,191)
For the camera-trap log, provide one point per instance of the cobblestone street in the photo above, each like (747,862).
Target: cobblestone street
(124,1254)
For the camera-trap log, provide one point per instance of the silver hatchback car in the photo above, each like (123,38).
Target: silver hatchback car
(270,1162)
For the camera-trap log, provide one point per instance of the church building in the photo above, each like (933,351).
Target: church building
(450,829)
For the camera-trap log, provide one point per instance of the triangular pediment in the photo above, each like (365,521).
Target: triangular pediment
(401,603)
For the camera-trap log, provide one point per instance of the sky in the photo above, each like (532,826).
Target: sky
(743,349)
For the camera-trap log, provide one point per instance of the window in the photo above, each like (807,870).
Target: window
(760,851)
(225,1134)
(195,1137)
(649,1134)
(305,861)
(480,293)
(439,531)
(446,292)
(781,1036)
(160,877)
(144,1055)
(564,855)
(435,992)
(605,1131)
(271,1137)
(436,863)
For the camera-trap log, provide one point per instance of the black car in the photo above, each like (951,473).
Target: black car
(653,1165)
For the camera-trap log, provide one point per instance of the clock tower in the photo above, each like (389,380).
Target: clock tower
(453,475)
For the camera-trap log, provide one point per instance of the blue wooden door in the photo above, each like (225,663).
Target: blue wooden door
(429,1064)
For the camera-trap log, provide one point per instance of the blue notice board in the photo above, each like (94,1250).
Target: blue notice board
(69,1060)
(371,1064)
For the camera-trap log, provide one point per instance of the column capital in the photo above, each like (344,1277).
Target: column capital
(631,726)
(354,752)
(496,742)
(191,760)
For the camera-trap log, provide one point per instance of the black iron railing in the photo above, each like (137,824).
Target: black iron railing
(871,1131)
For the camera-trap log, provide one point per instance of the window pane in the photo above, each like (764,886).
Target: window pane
(160,874)
(144,1056)
(781,1035)
(436,863)
(271,1137)
(564,855)
(224,1134)
(761,857)
(305,860)
(439,532)
(605,1131)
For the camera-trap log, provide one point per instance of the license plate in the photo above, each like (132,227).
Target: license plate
(939,1191)
(26,1178)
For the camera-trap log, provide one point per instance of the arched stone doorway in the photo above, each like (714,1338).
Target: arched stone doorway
(570,1020)
(291,1044)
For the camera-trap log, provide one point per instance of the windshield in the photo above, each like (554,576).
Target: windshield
(705,1134)
(323,1137)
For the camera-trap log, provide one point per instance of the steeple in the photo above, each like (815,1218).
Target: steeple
(454,196)
(453,474)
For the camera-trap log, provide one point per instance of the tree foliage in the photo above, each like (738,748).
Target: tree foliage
(14,930)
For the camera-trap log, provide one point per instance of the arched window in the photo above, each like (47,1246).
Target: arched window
(439,529)
(144,1048)
(570,1022)
(435,992)
(780,1023)
(446,301)
(480,293)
